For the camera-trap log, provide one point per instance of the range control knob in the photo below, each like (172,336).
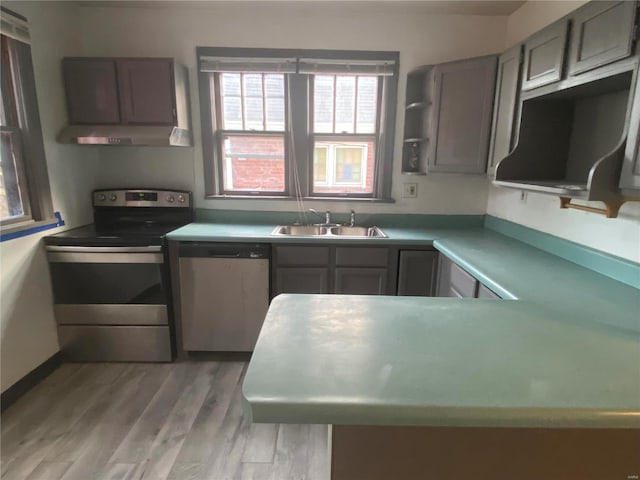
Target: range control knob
(181,198)
(170,199)
(113,197)
(102,197)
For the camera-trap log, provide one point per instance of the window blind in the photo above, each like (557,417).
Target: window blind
(14,26)
(245,64)
(346,67)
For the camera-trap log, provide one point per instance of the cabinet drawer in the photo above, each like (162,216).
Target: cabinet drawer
(294,255)
(463,283)
(362,257)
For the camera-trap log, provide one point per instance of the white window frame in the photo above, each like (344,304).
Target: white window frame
(331,148)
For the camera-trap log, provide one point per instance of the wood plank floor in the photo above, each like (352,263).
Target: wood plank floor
(180,421)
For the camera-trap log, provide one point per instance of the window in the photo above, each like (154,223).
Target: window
(297,123)
(24,185)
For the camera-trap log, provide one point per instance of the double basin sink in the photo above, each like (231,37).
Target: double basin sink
(328,231)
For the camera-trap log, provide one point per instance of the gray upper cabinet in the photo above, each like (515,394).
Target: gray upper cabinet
(504,108)
(544,55)
(92,91)
(630,176)
(417,270)
(103,91)
(462,107)
(147,94)
(602,32)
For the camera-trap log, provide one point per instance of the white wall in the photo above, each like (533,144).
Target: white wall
(619,236)
(167,30)
(27,326)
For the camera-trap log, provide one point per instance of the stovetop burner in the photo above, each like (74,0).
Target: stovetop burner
(130,218)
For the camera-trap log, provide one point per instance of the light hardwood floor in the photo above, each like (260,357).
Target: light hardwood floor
(180,421)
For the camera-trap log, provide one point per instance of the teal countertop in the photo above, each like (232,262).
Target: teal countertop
(365,360)
(562,349)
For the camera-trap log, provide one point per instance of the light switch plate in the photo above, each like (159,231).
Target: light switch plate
(409,190)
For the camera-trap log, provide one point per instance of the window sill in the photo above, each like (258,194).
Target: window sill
(305,199)
(10,232)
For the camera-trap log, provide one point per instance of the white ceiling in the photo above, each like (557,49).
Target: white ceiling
(452,7)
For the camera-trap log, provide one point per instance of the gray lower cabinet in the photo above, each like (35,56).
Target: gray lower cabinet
(544,55)
(504,106)
(454,281)
(461,115)
(361,281)
(417,273)
(301,280)
(602,32)
(357,270)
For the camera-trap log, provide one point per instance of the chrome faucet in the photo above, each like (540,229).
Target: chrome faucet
(352,218)
(326,216)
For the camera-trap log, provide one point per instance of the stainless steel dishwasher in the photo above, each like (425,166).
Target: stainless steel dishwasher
(224,290)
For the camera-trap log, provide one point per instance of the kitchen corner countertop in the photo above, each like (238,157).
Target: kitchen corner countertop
(561,350)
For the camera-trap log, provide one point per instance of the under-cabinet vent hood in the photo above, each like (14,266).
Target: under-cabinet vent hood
(162,136)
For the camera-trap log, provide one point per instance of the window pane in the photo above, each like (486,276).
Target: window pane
(253,163)
(323,103)
(367,104)
(349,163)
(345,104)
(231,101)
(254,116)
(342,167)
(320,165)
(274,102)
(11,204)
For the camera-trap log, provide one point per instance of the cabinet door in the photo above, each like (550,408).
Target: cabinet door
(361,281)
(147,91)
(544,56)
(462,107)
(92,91)
(630,176)
(417,273)
(602,33)
(504,106)
(301,280)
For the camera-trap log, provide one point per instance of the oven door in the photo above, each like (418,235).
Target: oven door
(111,302)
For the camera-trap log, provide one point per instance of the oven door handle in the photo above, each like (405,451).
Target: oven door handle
(69,254)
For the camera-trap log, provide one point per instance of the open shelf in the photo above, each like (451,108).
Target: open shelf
(571,142)
(416,121)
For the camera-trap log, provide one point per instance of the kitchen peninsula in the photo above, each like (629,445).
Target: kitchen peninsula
(545,385)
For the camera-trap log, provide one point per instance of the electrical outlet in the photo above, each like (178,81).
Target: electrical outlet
(409,190)
(523,196)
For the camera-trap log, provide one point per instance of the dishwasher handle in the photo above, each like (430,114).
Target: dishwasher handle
(225,250)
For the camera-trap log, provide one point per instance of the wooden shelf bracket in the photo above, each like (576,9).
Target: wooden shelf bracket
(611,207)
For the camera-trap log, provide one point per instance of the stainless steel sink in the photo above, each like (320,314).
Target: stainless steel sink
(300,230)
(328,232)
(344,231)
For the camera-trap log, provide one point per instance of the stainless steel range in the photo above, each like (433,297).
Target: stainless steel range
(111,279)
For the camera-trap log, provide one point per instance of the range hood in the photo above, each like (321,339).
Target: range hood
(162,136)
